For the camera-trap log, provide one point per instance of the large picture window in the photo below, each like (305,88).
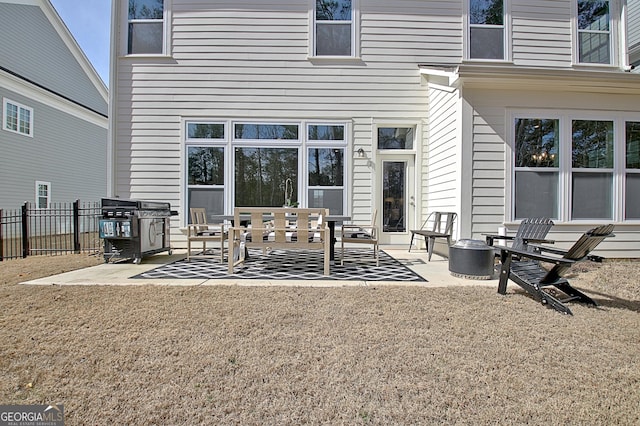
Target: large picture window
(486,29)
(594,31)
(266,177)
(146,27)
(265,165)
(632,176)
(334,28)
(572,169)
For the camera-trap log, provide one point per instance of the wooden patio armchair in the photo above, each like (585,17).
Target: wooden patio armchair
(361,234)
(531,231)
(199,231)
(437,225)
(523,267)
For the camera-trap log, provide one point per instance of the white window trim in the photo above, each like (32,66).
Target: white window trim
(566,117)
(5,102)
(166,33)
(506,34)
(48,185)
(614,39)
(355,31)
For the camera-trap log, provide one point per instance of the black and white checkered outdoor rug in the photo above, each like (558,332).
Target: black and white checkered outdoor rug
(290,265)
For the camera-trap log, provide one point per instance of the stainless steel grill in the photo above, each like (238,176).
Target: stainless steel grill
(133,229)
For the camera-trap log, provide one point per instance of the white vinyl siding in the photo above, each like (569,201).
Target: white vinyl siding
(487,200)
(242,62)
(541,33)
(440,170)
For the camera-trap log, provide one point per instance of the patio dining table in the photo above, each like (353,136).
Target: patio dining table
(331,224)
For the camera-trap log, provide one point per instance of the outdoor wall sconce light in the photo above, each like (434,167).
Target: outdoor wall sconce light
(360,152)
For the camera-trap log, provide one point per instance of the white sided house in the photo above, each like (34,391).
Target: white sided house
(495,109)
(54,131)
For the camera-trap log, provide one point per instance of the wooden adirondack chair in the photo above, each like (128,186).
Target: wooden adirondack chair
(437,225)
(523,267)
(531,231)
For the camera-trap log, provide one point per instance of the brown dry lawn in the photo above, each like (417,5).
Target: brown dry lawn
(368,355)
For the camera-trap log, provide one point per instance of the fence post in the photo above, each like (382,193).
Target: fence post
(76,226)
(25,230)
(1,240)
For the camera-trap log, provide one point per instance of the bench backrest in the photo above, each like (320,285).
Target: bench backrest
(440,222)
(281,220)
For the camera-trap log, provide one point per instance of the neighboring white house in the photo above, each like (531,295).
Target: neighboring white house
(495,109)
(53,136)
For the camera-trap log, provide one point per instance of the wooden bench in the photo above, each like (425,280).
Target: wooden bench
(285,228)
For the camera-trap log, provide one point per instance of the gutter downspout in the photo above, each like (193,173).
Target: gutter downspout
(111,133)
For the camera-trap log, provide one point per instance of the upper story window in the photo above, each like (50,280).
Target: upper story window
(17,118)
(146,27)
(334,31)
(486,29)
(594,31)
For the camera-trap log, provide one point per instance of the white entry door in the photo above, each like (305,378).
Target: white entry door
(396,192)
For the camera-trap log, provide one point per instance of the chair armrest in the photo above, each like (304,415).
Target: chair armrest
(194,230)
(209,226)
(367,229)
(499,237)
(490,237)
(351,226)
(538,241)
(348,228)
(508,251)
(548,249)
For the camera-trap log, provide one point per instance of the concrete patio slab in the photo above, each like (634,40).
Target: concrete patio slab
(436,272)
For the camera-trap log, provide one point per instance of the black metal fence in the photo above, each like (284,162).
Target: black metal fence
(60,229)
